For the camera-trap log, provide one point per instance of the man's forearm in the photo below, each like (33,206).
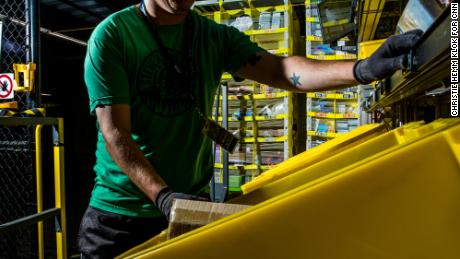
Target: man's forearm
(300,74)
(131,160)
(307,75)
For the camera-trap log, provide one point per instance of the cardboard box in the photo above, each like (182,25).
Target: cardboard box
(187,215)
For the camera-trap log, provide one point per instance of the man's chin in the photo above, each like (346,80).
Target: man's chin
(178,8)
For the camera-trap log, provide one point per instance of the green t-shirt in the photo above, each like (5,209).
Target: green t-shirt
(123,65)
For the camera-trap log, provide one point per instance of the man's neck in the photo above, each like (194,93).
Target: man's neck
(160,16)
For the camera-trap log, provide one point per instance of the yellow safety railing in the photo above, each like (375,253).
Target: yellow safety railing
(39,186)
(59,210)
(59,189)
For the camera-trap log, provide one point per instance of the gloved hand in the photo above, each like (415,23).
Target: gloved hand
(391,56)
(166,196)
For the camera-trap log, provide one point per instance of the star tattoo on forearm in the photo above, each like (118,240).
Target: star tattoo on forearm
(295,80)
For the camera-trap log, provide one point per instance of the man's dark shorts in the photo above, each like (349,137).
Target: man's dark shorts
(105,235)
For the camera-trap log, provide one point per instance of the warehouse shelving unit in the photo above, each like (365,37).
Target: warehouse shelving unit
(330,114)
(260,115)
(333,112)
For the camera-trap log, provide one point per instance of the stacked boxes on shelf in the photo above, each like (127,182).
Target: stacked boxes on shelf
(318,49)
(258,114)
(332,112)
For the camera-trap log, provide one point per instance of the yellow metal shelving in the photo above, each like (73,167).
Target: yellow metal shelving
(266,31)
(277,8)
(311,2)
(371,11)
(328,122)
(346,96)
(347,99)
(321,134)
(277,41)
(333,57)
(334,23)
(321,95)
(264,140)
(339,96)
(312,19)
(263,96)
(245,167)
(333,115)
(318,38)
(257,118)
(280,51)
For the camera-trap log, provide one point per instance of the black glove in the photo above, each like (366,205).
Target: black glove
(391,56)
(166,196)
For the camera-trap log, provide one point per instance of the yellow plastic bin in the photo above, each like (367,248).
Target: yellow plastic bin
(367,48)
(401,203)
(410,132)
(434,126)
(309,157)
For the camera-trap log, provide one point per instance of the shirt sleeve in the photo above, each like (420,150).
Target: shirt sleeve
(105,76)
(238,49)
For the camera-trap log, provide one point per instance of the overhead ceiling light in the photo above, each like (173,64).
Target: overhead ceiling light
(100,9)
(86,3)
(64,7)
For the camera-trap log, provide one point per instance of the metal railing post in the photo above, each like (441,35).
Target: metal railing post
(34,57)
(39,185)
(59,188)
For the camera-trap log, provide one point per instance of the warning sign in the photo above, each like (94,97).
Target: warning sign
(6,86)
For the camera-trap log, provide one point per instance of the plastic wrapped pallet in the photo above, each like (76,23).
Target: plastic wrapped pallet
(187,215)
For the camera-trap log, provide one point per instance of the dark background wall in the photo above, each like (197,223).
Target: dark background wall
(64,91)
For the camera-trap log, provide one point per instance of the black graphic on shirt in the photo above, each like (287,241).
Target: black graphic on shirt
(161,88)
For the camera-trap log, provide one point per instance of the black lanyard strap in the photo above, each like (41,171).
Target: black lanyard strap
(187,48)
(187,41)
(210,128)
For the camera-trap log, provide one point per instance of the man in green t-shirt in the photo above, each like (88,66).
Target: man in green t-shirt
(151,71)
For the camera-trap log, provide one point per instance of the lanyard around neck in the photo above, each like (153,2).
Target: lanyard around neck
(187,46)
(187,40)
(210,128)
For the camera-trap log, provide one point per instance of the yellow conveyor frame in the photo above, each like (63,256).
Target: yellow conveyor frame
(394,195)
